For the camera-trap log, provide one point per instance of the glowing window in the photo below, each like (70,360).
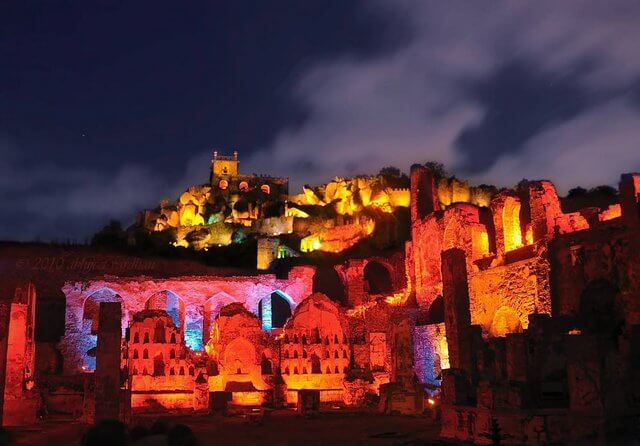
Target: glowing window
(223,184)
(265,188)
(243,186)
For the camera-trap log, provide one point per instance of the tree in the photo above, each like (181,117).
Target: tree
(111,235)
(437,169)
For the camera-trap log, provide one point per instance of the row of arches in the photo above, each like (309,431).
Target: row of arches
(377,279)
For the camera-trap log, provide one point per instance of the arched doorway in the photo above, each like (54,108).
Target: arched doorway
(327,281)
(90,319)
(211,310)
(378,277)
(274,310)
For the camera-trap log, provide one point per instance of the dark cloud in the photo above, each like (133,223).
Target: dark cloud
(113,116)
(573,61)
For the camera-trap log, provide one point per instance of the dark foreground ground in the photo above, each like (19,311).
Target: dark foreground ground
(282,429)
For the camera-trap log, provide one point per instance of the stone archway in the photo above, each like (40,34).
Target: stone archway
(378,277)
(327,281)
(274,310)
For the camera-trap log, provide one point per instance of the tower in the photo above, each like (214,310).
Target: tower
(223,167)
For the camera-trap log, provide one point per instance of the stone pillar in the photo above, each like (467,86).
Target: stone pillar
(107,374)
(457,316)
(354,273)
(424,194)
(545,208)
(630,198)
(20,404)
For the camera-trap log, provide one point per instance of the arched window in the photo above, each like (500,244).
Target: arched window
(295,370)
(335,354)
(326,340)
(304,339)
(326,354)
(304,353)
(286,354)
(328,370)
(295,339)
(295,354)
(336,370)
(146,338)
(243,186)
(172,339)
(172,354)
(286,370)
(266,189)
(181,370)
(335,339)
(145,354)
(135,354)
(344,353)
(145,371)
(136,338)
(191,371)
(172,371)
(286,338)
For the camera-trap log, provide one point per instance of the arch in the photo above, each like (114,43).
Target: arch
(505,320)
(275,309)
(171,303)
(378,277)
(211,309)
(435,313)
(145,354)
(91,306)
(136,338)
(326,280)
(511,228)
(89,322)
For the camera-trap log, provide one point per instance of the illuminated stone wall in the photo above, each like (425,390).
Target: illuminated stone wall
(199,296)
(507,245)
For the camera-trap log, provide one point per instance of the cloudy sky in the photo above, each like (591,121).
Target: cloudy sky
(108,106)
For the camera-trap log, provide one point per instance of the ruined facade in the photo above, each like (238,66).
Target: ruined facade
(505,312)
(527,297)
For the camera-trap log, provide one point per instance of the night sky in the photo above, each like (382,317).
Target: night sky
(106,107)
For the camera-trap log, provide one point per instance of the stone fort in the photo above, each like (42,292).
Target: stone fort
(500,306)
